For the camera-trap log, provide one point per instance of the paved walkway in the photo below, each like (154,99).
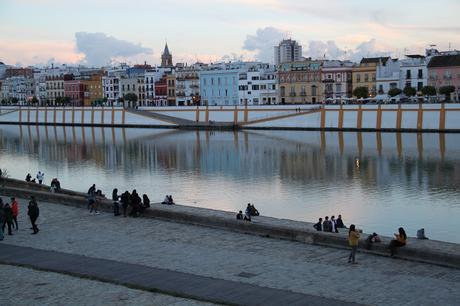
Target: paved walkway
(155,279)
(27,287)
(223,255)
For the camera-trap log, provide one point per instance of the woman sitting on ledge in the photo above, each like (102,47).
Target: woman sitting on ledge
(400,241)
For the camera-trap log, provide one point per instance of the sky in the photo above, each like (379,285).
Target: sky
(100,32)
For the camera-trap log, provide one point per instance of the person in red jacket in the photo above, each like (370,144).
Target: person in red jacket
(15,209)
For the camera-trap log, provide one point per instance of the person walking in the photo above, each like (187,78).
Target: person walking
(91,198)
(15,210)
(33,212)
(2,220)
(8,218)
(353,240)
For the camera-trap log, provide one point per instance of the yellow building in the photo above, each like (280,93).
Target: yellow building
(364,75)
(300,82)
(93,90)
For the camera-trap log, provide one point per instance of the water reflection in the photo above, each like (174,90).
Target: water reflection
(377,180)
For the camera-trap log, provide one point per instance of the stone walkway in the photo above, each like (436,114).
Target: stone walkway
(264,262)
(155,279)
(27,287)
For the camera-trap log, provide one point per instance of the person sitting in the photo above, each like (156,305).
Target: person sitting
(319,226)
(327,225)
(239,216)
(248,210)
(339,222)
(254,211)
(166,200)
(145,201)
(373,238)
(28,177)
(33,181)
(421,234)
(171,201)
(247,217)
(55,185)
(400,241)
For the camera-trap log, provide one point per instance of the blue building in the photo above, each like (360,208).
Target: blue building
(219,84)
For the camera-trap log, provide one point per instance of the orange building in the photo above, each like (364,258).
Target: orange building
(93,90)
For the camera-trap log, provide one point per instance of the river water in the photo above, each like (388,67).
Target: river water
(379,181)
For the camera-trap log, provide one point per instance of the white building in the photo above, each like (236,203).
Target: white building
(387,77)
(111,89)
(152,76)
(2,70)
(18,87)
(188,84)
(257,84)
(414,72)
(288,51)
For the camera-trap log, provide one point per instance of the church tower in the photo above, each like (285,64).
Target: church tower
(166,57)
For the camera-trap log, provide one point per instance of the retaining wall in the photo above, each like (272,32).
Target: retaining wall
(430,251)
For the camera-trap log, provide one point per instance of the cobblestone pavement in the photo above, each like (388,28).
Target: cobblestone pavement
(220,254)
(23,287)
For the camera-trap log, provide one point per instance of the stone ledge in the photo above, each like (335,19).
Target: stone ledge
(429,251)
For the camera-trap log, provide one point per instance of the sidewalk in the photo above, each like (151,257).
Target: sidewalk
(158,280)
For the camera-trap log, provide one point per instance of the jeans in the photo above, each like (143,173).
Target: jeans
(352,253)
(34,226)
(15,220)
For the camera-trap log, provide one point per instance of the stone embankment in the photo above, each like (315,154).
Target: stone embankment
(429,251)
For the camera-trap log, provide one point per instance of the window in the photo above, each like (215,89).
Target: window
(358,78)
(408,74)
(254,78)
(338,88)
(420,73)
(218,81)
(255,87)
(282,91)
(419,86)
(313,90)
(393,85)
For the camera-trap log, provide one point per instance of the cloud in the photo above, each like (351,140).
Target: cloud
(100,49)
(263,41)
(318,49)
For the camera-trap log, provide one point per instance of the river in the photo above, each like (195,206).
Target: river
(379,181)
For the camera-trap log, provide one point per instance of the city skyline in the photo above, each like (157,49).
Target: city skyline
(49,31)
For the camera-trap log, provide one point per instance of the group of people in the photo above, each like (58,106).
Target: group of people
(132,200)
(329,225)
(400,240)
(55,185)
(168,200)
(40,178)
(250,211)
(9,216)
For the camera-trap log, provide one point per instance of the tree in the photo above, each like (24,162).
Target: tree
(66,101)
(394,92)
(410,91)
(429,91)
(130,97)
(361,92)
(34,100)
(14,100)
(446,91)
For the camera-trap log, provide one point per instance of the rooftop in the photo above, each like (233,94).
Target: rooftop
(445,61)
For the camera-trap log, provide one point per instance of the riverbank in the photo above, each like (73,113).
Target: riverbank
(209,252)
(428,251)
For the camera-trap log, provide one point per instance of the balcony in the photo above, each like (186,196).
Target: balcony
(303,94)
(292,94)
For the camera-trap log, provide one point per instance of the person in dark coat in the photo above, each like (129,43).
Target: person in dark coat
(33,212)
(8,212)
(145,201)
(2,219)
(125,200)
(319,226)
(135,203)
(116,204)
(28,177)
